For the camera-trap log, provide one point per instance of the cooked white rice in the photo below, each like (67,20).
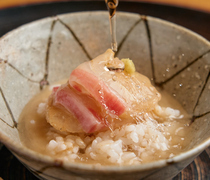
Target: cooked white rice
(130,144)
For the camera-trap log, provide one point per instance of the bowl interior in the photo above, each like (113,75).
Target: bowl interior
(48,50)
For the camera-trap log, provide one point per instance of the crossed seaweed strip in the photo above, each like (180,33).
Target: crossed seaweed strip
(44,81)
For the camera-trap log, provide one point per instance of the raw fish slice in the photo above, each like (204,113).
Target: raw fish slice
(86,83)
(128,91)
(83,110)
(62,120)
(59,113)
(136,90)
(100,95)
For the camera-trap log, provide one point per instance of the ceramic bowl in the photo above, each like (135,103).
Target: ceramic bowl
(47,50)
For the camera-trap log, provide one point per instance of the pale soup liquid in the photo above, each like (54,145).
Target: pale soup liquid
(33,129)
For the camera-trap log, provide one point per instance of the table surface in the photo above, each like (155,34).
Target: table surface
(203,5)
(10,18)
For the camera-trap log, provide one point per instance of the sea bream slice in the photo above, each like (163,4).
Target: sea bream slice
(87,83)
(101,94)
(75,107)
(105,79)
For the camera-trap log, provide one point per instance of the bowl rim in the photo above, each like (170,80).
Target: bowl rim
(20,150)
(24,152)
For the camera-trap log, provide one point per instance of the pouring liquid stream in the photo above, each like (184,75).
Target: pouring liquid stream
(112,6)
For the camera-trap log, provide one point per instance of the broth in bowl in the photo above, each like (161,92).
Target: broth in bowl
(105,116)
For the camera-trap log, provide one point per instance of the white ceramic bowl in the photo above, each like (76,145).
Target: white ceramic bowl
(48,50)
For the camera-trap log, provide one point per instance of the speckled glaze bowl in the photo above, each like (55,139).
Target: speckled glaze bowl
(48,50)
